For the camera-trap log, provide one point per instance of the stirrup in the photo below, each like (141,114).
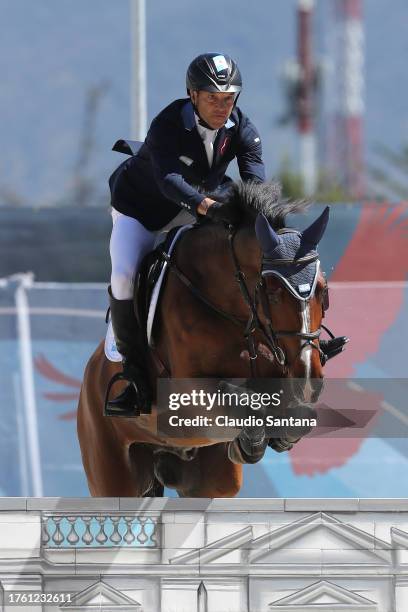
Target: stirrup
(112,409)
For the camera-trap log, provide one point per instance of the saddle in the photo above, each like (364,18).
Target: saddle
(153,271)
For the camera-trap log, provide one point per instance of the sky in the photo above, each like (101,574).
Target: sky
(52,55)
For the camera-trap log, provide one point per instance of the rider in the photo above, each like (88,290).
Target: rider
(191,142)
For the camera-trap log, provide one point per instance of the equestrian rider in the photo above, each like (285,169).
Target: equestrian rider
(191,142)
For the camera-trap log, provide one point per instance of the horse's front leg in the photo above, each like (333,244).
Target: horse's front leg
(209,474)
(214,474)
(249,446)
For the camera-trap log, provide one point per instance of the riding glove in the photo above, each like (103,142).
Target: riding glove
(333,347)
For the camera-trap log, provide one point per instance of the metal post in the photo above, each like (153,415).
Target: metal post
(348,154)
(138,96)
(22,437)
(306,106)
(353,95)
(27,377)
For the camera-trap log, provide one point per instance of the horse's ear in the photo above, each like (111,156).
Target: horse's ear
(266,235)
(312,235)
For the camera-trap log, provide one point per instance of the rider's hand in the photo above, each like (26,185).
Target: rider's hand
(223,213)
(334,346)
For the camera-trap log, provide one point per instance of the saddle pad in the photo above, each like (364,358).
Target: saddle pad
(111,351)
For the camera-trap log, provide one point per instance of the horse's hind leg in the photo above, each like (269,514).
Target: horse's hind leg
(115,471)
(107,465)
(113,467)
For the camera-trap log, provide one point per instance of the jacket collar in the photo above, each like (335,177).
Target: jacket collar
(187,114)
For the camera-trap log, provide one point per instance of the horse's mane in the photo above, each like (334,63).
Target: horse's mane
(253,198)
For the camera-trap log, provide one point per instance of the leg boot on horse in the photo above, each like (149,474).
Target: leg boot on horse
(136,397)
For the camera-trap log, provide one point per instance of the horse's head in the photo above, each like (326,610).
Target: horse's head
(293,294)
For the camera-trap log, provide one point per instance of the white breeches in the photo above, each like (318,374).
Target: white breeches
(130,242)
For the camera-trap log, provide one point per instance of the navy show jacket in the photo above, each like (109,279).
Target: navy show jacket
(167,171)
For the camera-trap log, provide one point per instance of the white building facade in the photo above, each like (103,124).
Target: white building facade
(199,555)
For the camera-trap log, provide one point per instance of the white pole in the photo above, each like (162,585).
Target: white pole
(27,376)
(138,96)
(21,435)
(306,113)
(308,168)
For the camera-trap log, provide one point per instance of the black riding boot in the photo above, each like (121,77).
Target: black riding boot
(136,397)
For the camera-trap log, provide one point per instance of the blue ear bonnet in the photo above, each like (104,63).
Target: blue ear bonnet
(299,278)
(291,255)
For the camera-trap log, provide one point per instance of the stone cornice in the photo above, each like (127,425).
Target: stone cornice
(169,504)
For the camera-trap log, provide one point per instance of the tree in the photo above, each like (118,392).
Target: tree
(292,185)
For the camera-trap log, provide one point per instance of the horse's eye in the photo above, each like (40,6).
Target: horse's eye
(322,293)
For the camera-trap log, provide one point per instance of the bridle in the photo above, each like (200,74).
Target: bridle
(261,296)
(254,323)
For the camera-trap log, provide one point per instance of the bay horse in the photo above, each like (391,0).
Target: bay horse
(230,308)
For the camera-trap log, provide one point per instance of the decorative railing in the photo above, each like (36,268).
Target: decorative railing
(97,530)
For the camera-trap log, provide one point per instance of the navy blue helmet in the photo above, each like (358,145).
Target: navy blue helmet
(214,72)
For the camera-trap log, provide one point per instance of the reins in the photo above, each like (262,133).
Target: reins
(253,323)
(197,293)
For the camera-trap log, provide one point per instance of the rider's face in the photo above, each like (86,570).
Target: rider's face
(214,108)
